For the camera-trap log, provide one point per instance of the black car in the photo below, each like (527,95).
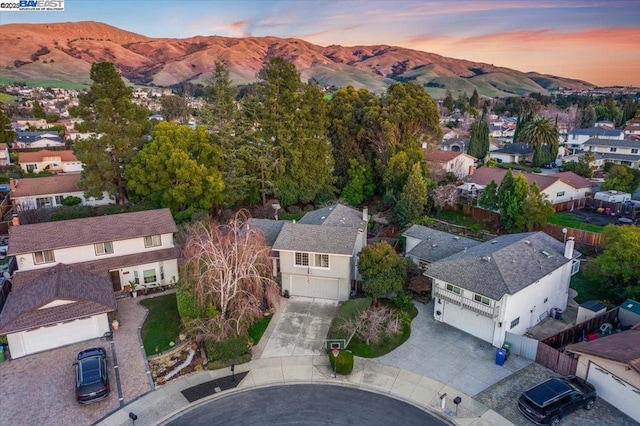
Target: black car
(92,377)
(551,400)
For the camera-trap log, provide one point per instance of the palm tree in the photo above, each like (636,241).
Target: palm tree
(543,135)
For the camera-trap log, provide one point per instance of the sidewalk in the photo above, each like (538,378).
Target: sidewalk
(167,401)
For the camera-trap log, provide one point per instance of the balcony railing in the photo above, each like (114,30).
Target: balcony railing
(472,305)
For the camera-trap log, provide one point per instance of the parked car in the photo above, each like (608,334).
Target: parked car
(551,400)
(92,377)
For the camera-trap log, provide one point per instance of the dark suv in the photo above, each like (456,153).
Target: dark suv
(548,402)
(92,377)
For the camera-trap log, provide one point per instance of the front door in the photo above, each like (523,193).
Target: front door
(115,280)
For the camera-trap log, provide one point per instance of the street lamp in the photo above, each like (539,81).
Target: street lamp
(335,353)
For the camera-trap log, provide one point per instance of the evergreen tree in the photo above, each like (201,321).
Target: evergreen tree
(360,184)
(489,197)
(382,270)
(475,99)
(174,108)
(7,135)
(536,208)
(37,111)
(479,139)
(109,111)
(512,193)
(587,116)
(448,100)
(414,195)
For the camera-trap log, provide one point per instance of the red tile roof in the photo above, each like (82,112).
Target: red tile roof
(37,156)
(58,184)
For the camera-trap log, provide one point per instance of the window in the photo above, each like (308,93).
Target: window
(59,200)
(514,323)
(482,299)
(423,264)
(162,272)
(32,168)
(302,259)
(45,256)
(149,276)
(634,150)
(321,261)
(575,267)
(152,241)
(560,194)
(103,248)
(135,277)
(454,289)
(43,202)
(613,149)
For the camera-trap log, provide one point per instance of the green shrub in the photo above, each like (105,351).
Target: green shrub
(70,212)
(234,350)
(71,201)
(294,210)
(187,304)
(403,301)
(4,179)
(3,339)
(344,361)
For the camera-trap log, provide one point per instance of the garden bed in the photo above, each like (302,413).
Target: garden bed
(173,363)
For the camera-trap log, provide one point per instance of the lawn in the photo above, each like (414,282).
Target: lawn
(587,289)
(162,325)
(571,220)
(7,98)
(258,328)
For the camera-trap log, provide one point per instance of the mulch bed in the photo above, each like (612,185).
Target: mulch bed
(209,388)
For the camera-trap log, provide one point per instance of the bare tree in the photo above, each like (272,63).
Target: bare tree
(228,272)
(373,324)
(443,196)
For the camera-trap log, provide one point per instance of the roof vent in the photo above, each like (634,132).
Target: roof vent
(323,217)
(546,253)
(456,237)
(434,245)
(494,242)
(486,258)
(527,242)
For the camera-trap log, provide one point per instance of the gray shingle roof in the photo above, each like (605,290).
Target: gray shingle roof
(502,266)
(270,228)
(90,294)
(90,230)
(436,245)
(316,239)
(335,215)
(516,148)
(624,143)
(596,131)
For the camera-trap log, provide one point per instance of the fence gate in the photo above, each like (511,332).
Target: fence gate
(555,360)
(522,345)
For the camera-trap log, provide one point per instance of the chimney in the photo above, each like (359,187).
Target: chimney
(568,248)
(365,214)
(14,220)
(472,169)
(14,184)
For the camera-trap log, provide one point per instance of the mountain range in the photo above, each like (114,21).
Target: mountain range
(64,52)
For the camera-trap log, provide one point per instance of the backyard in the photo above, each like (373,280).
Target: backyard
(572,220)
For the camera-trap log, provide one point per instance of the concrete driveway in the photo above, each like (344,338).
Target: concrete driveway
(450,356)
(301,328)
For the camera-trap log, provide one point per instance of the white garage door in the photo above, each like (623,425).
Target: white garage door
(60,335)
(322,288)
(467,321)
(615,391)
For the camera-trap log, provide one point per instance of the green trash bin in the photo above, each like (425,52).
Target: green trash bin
(507,347)
(1,352)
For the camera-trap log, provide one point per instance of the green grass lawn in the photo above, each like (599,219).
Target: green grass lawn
(7,98)
(258,328)
(571,220)
(162,325)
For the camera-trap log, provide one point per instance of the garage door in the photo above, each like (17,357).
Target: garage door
(616,391)
(322,288)
(467,321)
(60,335)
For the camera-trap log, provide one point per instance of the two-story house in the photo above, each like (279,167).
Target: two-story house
(52,161)
(618,151)
(513,153)
(577,137)
(318,256)
(508,284)
(69,271)
(49,191)
(456,162)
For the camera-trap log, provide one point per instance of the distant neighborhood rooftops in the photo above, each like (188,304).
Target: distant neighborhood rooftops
(484,175)
(626,143)
(596,131)
(57,184)
(516,148)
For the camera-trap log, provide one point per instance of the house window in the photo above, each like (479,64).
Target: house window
(32,168)
(135,277)
(59,200)
(149,276)
(45,256)
(423,264)
(514,323)
(321,261)
(482,299)
(161,272)
(43,202)
(560,194)
(634,150)
(454,289)
(575,267)
(103,248)
(302,259)
(152,241)
(613,149)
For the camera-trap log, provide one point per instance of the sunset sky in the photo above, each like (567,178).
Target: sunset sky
(593,40)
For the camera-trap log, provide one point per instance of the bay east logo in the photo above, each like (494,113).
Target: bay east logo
(32,5)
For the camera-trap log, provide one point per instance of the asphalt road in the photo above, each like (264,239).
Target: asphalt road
(306,405)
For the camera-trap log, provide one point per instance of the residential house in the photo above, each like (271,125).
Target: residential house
(618,151)
(43,192)
(612,365)
(5,159)
(69,270)
(25,123)
(455,144)
(605,125)
(424,245)
(513,153)
(558,187)
(507,284)
(38,140)
(632,130)
(319,254)
(52,161)
(577,137)
(270,230)
(456,162)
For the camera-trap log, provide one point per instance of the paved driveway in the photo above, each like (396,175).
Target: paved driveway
(302,327)
(449,355)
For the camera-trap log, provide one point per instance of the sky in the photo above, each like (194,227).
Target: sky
(593,40)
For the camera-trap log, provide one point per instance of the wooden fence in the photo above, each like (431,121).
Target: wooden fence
(522,345)
(581,236)
(580,331)
(481,214)
(555,360)
(570,205)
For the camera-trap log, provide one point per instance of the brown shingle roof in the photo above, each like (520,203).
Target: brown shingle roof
(90,294)
(442,155)
(573,179)
(90,230)
(58,184)
(620,347)
(484,176)
(38,156)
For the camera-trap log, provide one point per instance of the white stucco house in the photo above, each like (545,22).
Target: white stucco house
(318,256)
(612,365)
(577,137)
(44,192)
(507,284)
(456,162)
(52,161)
(69,271)
(618,151)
